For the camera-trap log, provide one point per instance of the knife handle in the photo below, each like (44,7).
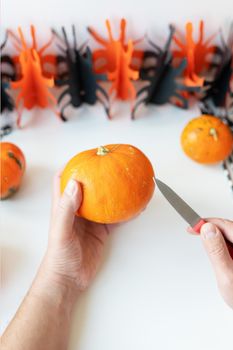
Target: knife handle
(197,227)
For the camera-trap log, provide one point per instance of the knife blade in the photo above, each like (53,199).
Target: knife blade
(187,213)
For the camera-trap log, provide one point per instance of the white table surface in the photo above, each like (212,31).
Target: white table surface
(156,289)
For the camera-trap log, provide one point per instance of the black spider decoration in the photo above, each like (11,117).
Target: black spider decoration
(217,96)
(163,86)
(79,77)
(7,75)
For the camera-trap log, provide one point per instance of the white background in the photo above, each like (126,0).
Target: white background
(156,289)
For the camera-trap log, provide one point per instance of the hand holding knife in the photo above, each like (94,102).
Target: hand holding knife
(187,213)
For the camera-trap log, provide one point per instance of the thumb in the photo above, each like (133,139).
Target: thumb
(67,205)
(216,248)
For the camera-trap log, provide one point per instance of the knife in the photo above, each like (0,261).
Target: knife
(187,213)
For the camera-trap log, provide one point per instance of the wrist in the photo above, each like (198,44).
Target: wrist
(53,288)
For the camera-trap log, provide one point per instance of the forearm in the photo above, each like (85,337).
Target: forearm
(43,319)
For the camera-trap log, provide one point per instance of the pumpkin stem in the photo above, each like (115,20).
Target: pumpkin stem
(213,132)
(102,151)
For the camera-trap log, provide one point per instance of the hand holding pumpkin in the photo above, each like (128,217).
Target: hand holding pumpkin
(75,245)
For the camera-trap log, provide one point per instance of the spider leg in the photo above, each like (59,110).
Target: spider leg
(65,37)
(155,46)
(182,99)
(178,42)
(181,67)
(22,38)
(54,32)
(7,59)
(18,99)
(138,103)
(104,93)
(88,54)
(122,32)
(97,37)
(131,89)
(188,88)
(142,90)
(206,107)
(210,39)
(4,41)
(52,98)
(201,31)
(106,107)
(19,110)
(12,34)
(109,29)
(62,111)
(137,41)
(74,36)
(65,92)
(61,48)
(168,43)
(84,44)
(33,35)
(45,46)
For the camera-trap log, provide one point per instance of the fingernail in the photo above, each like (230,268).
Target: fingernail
(71,187)
(209,230)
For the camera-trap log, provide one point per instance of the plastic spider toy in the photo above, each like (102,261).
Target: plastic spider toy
(79,78)
(218,95)
(117,58)
(195,54)
(105,59)
(7,75)
(47,61)
(33,85)
(162,78)
(228,170)
(122,75)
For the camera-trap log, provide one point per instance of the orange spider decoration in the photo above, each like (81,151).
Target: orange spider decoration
(116,58)
(195,54)
(122,75)
(48,59)
(34,87)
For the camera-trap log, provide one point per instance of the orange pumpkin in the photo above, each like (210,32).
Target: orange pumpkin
(207,139)
(117,182)
(12,164)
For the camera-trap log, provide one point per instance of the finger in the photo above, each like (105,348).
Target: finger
(225,226)
(56,190)
(216,249)
(68,204)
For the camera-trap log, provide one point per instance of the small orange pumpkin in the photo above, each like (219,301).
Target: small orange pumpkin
(117,182)
(12,166)
(207,139)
